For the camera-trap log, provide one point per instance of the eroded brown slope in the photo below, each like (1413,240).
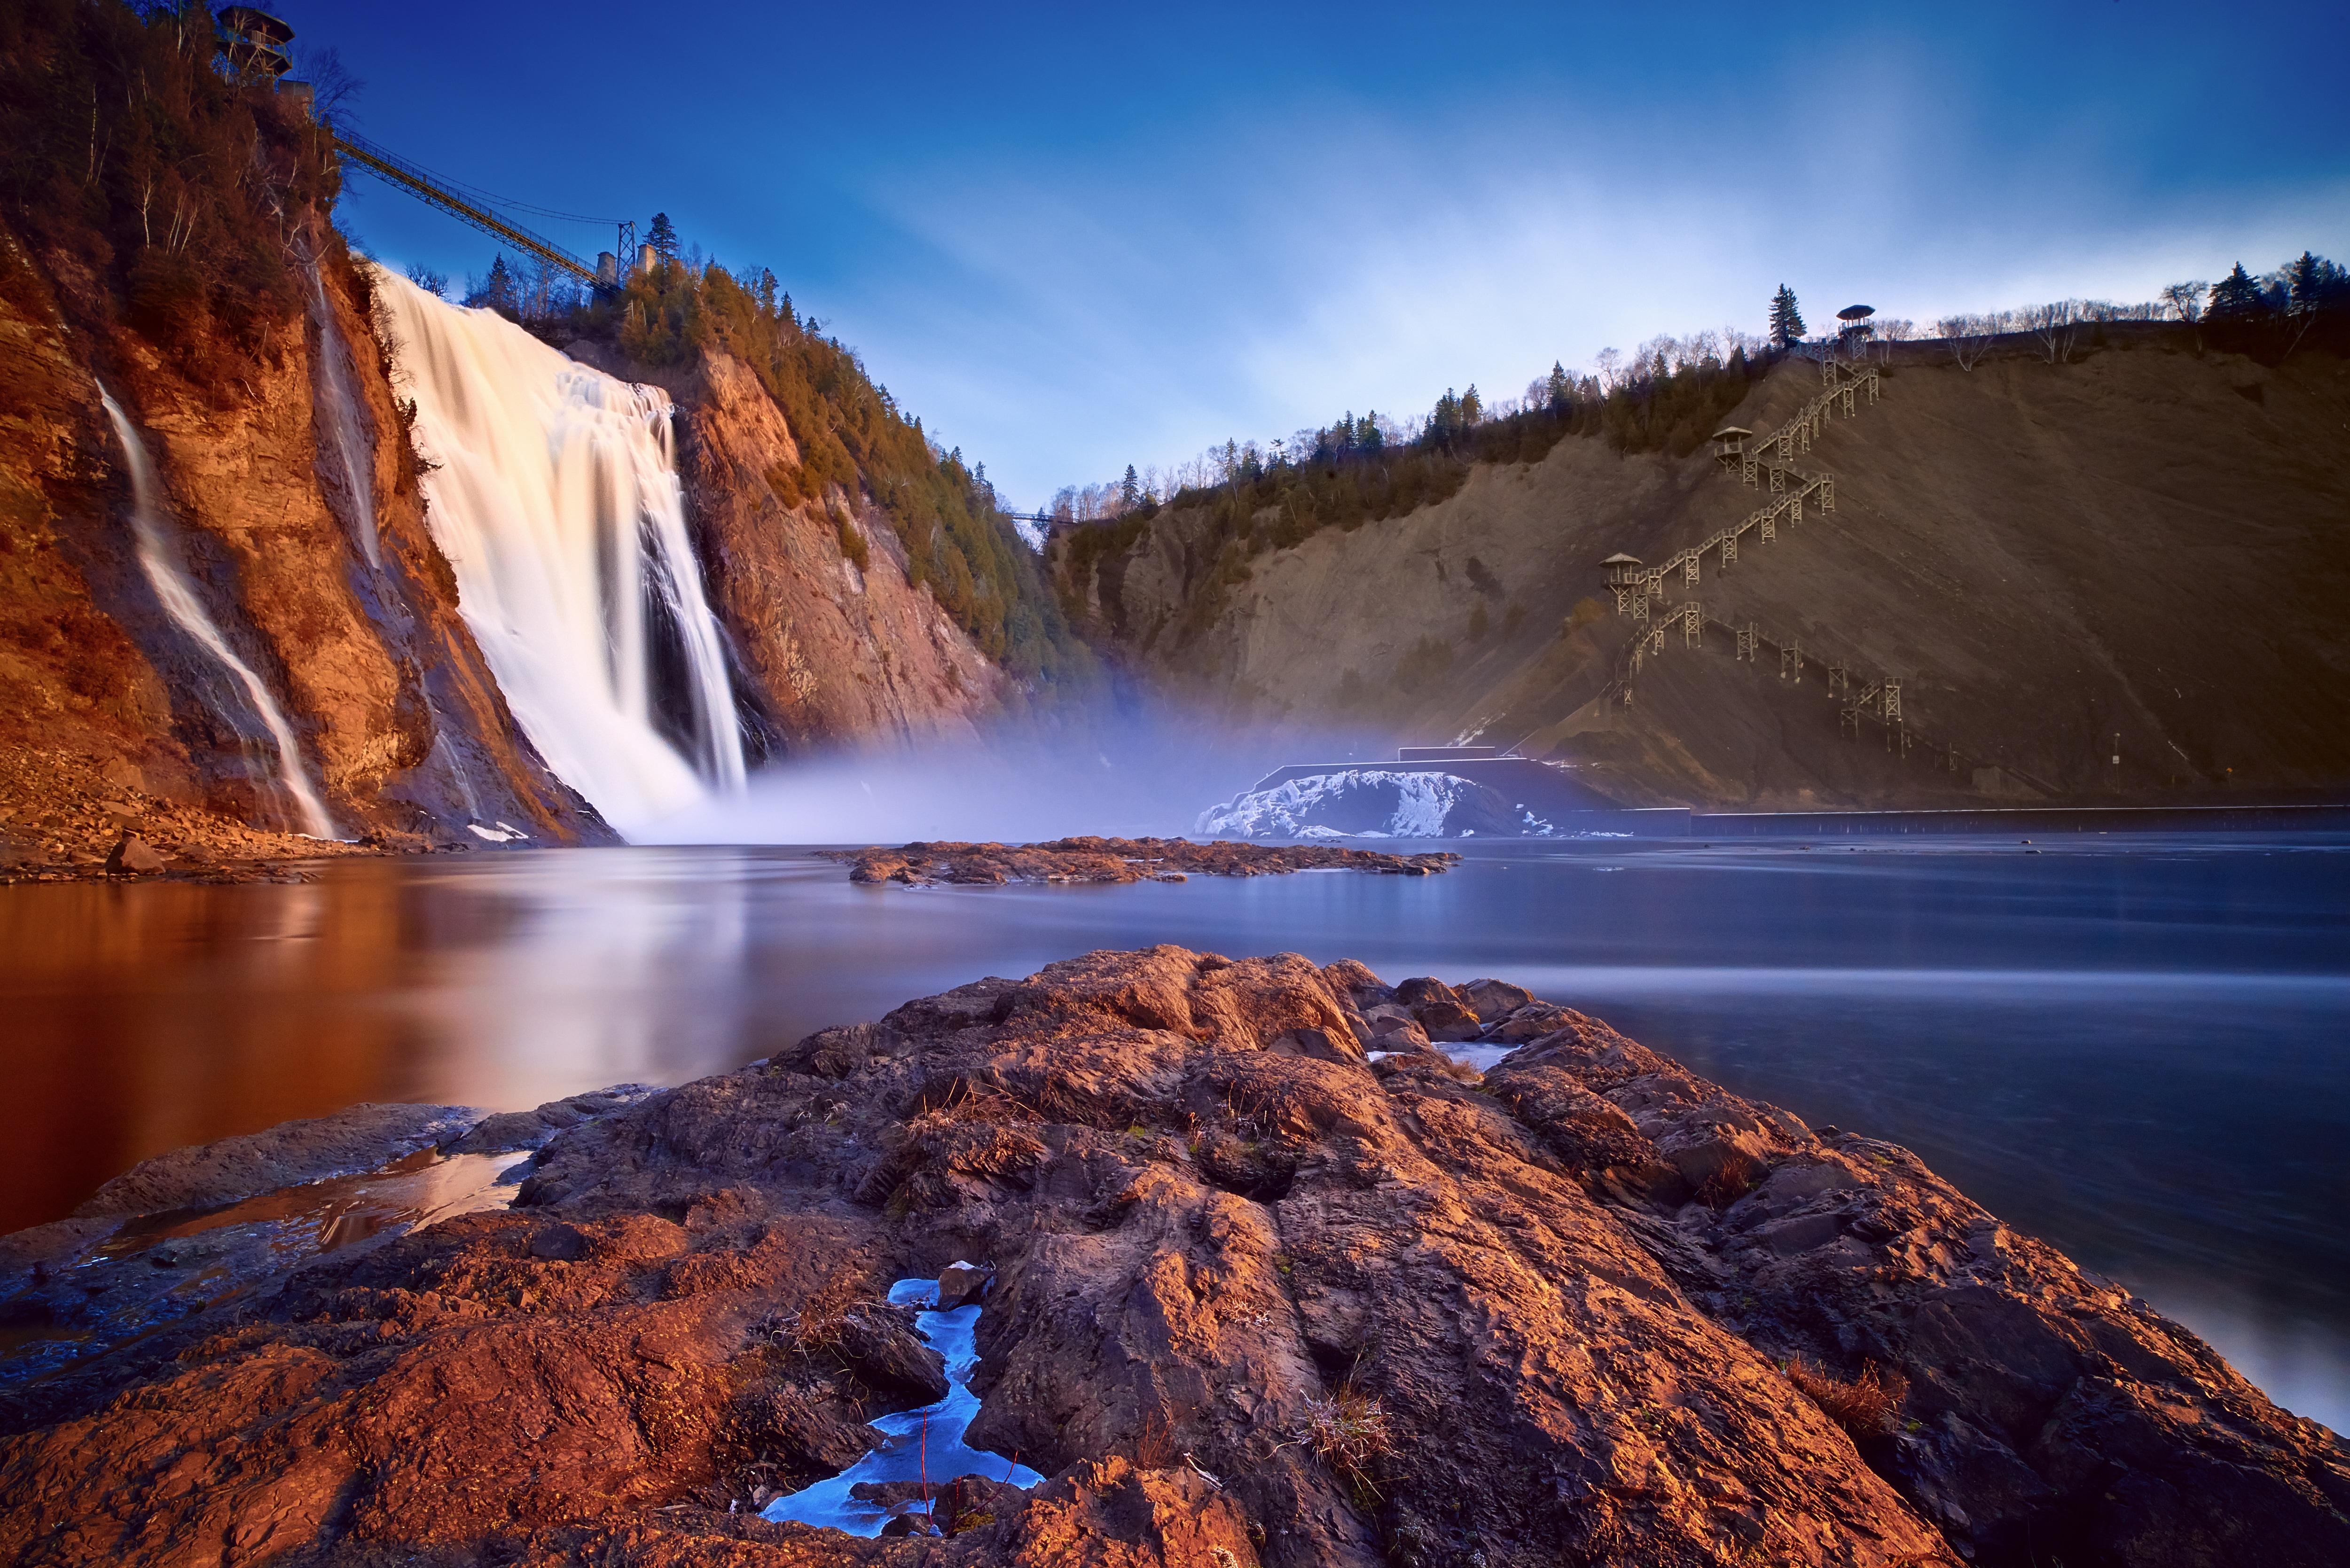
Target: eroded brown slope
(1571,1291)
(2146,541)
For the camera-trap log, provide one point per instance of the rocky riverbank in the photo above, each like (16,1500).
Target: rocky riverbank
(921,864)
(64,818)
(1270,1280)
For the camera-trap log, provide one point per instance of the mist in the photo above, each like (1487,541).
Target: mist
(1146,776)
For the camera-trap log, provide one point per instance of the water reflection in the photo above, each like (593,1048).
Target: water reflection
(2130,1046)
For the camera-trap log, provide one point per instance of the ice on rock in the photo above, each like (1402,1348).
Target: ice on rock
(914,1445)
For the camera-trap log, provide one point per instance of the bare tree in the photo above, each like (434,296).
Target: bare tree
(1969,336)
(1611,368)
(2187,299)
(331,83)
(1891,331)
(2058,327)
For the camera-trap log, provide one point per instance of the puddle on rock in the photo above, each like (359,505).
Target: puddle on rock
(925,1445)
(152,1270)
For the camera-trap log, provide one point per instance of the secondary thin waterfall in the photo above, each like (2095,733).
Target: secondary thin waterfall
(177,595)
(552,491)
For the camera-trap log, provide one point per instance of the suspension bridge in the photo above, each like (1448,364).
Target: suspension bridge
(437,190)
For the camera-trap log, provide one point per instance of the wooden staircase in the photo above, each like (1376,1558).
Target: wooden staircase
(1767,461)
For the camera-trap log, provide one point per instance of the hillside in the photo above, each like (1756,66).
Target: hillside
(2151,540)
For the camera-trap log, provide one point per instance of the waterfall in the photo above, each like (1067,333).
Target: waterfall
(178,597)
(552,488)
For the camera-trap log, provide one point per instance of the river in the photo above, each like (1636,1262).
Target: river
(2131,1046)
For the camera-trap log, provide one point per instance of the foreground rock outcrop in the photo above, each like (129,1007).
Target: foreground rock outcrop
(1275,1282)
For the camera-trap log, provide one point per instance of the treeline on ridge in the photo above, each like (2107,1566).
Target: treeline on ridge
(1352,473)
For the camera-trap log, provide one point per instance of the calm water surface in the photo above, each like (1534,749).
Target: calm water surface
(2135,1046)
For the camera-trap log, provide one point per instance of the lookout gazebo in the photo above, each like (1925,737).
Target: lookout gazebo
(255,41)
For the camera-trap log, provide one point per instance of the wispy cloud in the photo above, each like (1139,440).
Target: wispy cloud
(1071,316)
(1076,239)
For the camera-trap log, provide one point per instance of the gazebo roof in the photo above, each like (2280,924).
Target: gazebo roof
(1855,313)
(1620,559)
(1728,432)
(252,23)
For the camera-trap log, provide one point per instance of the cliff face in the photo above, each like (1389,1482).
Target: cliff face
(390,701)
(2144,541)
(828,653)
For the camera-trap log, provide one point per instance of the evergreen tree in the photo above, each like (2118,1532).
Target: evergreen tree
(2237,298)
(2313,283)
(662,237)
(1471,406)
(497,292)
(1559,389)
(1786,321)
(1367,433)
(1129,489)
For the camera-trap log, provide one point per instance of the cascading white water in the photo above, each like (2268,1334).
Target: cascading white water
(160,561)
(553,494)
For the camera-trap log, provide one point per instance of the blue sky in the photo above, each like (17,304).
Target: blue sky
(1073,238)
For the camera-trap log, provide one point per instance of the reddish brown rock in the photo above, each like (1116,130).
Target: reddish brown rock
(1116,860)
(1253,1303)
(831,650)
(134,855)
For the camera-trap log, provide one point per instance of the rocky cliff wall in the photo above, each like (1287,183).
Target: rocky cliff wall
(276,467)
(830,653)
(2144,541)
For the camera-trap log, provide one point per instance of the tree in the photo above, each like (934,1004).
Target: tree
(1444,425)
(1129,489)
(2238,297)
(1560,391)
(1786,321)
(497,292)
(1969,336)
(2187,299)
(662,237)
(426,278)
(1471,408)
(2058,327)
(2312,284)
